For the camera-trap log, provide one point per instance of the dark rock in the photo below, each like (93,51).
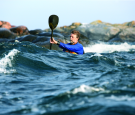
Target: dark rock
(49,34)
(47,45)
(29,38)
(5,33)
(41,39)
(36,31)
(116,39)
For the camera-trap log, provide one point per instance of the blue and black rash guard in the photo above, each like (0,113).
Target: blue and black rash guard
(75,49)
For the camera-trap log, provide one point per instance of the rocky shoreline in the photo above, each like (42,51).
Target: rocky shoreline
(90,33)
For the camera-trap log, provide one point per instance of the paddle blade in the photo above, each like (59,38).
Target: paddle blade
(53,21)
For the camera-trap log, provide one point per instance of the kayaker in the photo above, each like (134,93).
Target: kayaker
(74,46)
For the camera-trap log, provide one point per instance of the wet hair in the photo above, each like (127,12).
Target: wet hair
(77,33)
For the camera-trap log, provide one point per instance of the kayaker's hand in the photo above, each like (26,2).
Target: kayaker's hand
(53,41)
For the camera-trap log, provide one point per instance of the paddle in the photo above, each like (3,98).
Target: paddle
(53,22)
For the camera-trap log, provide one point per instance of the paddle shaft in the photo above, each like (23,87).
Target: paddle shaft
(51,39)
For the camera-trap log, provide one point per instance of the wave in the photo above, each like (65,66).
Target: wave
(40,59)
(121,98)
(6,62)
(84,97)
(109,48)
(85,89)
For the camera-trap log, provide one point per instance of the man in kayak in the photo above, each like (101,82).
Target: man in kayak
(74,46)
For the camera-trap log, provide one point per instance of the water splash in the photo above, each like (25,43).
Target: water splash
(108,48)
(85,89)
(121,98)
(6,62)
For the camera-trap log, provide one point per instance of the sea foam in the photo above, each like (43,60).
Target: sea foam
(85,89)
(121,98)
(6,62)
(109,48)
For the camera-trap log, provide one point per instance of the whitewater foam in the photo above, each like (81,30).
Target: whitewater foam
(6,62)
(85,89)
(121,98)
(108,48)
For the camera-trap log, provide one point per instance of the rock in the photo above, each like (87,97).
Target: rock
(36,31)
(55,34)
(116,39)
(130,24)
(0,23)
(5,33)
(98,31)
(96,22)
(4,24)
(90,33)
(13,26)
(29,38)
(127,34)
(20,30)
(41,39)
(47,45)
(66,29)
(76,24)
(72,27)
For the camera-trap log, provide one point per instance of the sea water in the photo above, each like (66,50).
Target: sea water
(38,81)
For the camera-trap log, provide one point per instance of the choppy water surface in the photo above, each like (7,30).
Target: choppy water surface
(38,81)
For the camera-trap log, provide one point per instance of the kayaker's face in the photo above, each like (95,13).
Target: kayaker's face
(73,39)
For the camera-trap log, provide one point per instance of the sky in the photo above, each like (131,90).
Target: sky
(34,14)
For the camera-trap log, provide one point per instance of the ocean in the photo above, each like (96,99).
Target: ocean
(38,81)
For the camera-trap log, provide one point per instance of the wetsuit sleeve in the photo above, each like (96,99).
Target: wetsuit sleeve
(69,47)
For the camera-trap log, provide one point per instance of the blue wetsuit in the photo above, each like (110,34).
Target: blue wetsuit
(75,49)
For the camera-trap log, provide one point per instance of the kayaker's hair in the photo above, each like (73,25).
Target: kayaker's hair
(77,33)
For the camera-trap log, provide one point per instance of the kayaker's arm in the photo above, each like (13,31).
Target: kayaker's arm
(68,47)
